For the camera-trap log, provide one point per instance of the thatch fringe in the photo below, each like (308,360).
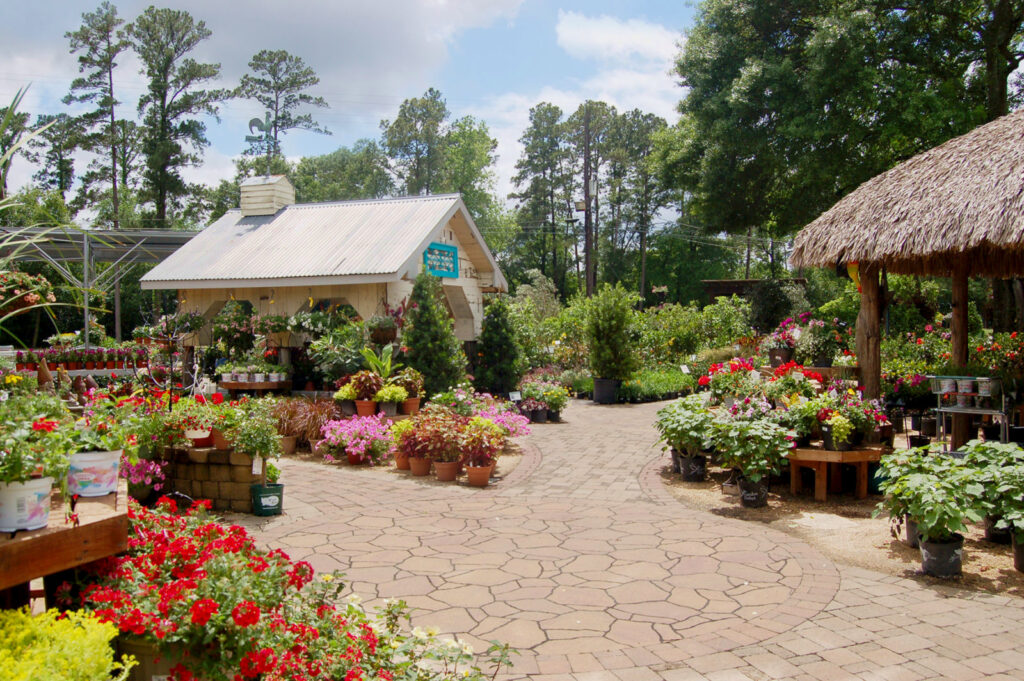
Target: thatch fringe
(962,199)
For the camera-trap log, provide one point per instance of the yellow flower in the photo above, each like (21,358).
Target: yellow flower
(11,379)
(327,578)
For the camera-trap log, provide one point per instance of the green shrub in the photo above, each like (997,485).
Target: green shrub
(669,333)
(610,333)
(498,365)
(772,300)
(429,335)
(724,321)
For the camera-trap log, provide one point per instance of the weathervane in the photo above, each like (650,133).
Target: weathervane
(266,138)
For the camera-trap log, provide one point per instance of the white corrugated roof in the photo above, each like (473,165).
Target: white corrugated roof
(361,240)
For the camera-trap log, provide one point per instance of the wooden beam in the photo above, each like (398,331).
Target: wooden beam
(868,338)
(961,422)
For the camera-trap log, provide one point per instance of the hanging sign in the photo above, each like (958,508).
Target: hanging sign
(442,260)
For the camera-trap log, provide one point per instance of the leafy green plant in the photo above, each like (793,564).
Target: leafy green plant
(391,393)
(756,447)
(840,427)
(686,425)
(33,435)
(383,365)
(256,433)
(610,333)
(346,392)
(429,335)
(411,380)
(338,352)
(366,384)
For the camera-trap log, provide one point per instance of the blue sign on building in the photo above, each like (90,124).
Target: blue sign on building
(442,260)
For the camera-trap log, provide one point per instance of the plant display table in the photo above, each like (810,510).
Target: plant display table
(993,396)
(263,387)
(102,532)
(819,459)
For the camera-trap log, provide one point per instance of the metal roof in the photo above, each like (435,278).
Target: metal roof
(104,245)
(337,242)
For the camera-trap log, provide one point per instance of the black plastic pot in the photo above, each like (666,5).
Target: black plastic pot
(1018,554)
(823,361)
(693,468)
(991,432)
(943,559)
(918,440)
(675,460)
(606,390)
(830,445)
(779,356)
(912,538)
(928,426)
(874,479)
(994,534)
(753,494)
(539,416)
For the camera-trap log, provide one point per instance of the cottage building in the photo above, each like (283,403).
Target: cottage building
(285,257)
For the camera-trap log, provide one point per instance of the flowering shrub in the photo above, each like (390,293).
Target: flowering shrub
(143,471)
(462,399)
(512,423)
(738,378)
(368,437)
(193,413)
(225,611)
(20,291)
(33,434)
(791,381)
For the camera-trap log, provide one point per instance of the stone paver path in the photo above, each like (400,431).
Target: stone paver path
(584,563)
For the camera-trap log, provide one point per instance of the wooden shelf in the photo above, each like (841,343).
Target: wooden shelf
(102,532)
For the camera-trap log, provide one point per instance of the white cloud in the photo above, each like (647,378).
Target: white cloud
(609,38)
(634,61)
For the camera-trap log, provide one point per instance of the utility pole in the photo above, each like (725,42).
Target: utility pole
(588,224)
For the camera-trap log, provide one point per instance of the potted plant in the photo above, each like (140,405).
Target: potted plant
(609,331)
(1009,506)
(195,417)
(345,396)
(383,329)
(389,397)
(436,436)
(533,404)
(686,427)
(993,463)
(268,497)
(755,447)
(556,397)
(481,441)
(33,453)
(364,439)
(288,413)
(779,344)
(313,416)
(366,384)
(96,444)
(412,381)
(404,444)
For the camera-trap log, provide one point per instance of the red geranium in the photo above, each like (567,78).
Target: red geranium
(246,614)
(202,610)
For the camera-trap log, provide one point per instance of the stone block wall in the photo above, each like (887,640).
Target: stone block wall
(223,477)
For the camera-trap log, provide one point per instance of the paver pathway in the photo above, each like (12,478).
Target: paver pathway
(585,564)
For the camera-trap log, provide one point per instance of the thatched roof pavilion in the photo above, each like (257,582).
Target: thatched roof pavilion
(956,210)
(962,200)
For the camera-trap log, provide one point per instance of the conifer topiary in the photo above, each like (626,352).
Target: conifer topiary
(429,337)
(498,353)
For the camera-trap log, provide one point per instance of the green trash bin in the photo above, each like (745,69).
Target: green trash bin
(267,499)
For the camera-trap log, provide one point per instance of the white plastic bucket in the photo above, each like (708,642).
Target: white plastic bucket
(25,505)
(94,474)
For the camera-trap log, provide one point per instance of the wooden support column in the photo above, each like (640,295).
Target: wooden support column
(869,339)
(961,422)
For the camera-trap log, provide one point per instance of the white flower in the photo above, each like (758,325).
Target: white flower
(418,633)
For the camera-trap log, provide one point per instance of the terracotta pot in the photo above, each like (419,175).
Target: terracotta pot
(111,364)
(120,364)
(31,366)
(220,441)
(479,476)
(419,465)
(90,365)
(354,459)
(401,461)
(288,443)
(19,366)
(366,407)
(446,471)
(72,366)
(52,366)
(411,406)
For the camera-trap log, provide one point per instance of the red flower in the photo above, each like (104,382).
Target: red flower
(704,380)
(217,398)
(246,614)
(202,610)
(200,399)
(43,424)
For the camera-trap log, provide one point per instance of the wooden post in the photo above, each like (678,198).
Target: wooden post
(868,332)
(961,422)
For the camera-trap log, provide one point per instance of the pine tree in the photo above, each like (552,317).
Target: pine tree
(497,369)
(433,348)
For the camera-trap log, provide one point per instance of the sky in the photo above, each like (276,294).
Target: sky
(491,59)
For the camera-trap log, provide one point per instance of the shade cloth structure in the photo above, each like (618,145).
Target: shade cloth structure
(956,210)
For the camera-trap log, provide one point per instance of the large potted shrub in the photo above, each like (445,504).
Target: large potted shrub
(941,495)
(498,359)
(994,463)
(429,336)
(610,341)
(686,426)
(756,447)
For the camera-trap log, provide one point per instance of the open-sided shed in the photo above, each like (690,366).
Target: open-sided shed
(956,210)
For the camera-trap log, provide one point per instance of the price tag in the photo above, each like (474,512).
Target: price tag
(257,465)
(515,396)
